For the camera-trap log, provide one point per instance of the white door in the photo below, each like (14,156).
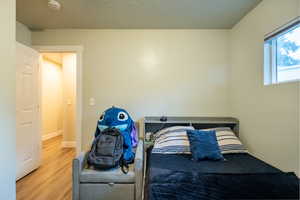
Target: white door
(28,139)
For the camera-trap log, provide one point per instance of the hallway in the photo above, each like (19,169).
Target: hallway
(53,179)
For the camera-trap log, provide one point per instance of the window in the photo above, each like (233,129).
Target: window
(282,54)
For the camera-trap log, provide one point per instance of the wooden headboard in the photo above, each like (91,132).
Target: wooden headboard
(154,124)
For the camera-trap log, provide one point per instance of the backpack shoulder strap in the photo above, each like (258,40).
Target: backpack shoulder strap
(124,165)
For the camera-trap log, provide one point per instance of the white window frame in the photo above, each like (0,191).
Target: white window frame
(270,53)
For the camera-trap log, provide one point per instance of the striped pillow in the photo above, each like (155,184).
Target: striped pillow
(172,140)
(228,141)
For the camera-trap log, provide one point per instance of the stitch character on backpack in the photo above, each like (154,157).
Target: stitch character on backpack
(115,137)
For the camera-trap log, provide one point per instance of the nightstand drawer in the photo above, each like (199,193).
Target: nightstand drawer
(107,191)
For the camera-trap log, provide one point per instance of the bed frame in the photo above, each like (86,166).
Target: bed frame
(154,124)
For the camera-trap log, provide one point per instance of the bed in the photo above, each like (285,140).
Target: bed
(240,176)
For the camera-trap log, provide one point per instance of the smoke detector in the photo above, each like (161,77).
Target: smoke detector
(54,5)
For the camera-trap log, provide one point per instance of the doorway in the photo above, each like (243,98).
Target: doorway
(58,96)
(77,50)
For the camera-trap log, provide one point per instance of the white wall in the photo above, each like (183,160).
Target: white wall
(52,98)
(268,114)
(149,72)
(7,100)
(23,34)
(69,98)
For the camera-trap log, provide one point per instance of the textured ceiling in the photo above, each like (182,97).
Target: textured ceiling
(134,14)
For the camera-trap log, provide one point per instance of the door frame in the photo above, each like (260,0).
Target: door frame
(78,50)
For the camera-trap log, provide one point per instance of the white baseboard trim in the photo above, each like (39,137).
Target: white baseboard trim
(51,135)
(68,144)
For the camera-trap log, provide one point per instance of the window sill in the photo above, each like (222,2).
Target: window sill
(283,82)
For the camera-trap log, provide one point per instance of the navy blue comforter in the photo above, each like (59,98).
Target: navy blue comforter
(241,176)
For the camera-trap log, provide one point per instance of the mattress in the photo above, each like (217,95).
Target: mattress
(240,176)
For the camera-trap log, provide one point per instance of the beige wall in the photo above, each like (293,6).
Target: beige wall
(7,100)
(69,100)
(23,34)
(268,114)
(149,72)
(52,97)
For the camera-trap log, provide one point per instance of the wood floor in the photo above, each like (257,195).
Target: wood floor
(53,179)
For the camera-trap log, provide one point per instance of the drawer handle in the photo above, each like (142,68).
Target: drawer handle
(111,184)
